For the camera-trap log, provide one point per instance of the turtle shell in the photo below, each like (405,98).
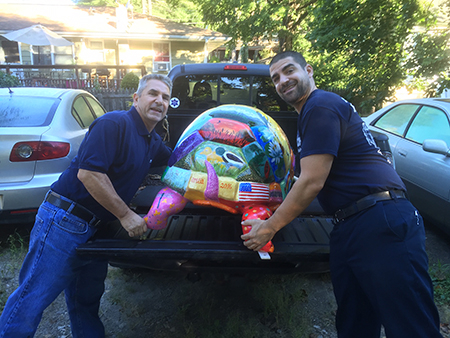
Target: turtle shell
(232,156)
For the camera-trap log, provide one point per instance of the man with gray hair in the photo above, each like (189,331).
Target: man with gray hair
(113,160)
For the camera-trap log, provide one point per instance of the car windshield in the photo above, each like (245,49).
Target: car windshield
(20,111)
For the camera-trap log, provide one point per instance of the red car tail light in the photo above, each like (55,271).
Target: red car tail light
(38,151)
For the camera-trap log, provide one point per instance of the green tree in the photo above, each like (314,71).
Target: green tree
(357,47)
(428,62)
(428,55)
(367,39)
(183,11)
(252,20)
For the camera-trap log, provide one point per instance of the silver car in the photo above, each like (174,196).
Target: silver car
(40,132)
(419,136)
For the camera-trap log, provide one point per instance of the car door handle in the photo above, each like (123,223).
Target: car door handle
(402,152)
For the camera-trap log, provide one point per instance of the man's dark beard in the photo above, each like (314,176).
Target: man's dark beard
(300,91)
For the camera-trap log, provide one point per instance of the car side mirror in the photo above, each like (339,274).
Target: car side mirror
(436,146)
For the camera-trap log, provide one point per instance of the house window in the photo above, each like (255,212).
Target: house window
(42,55)
(63,55)
(97,53)
(162,52)
(219,54)
(11,50)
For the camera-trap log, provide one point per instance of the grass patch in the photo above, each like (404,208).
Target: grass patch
(12,251)
(440,275)
(282,300)
(16,243)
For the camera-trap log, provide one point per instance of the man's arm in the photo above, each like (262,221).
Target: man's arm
(314,172)
(101,189)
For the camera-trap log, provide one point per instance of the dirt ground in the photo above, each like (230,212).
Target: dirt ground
(142,303)
(155,304)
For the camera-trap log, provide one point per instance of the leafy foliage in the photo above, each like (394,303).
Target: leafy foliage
(429,61)
(130,81)
(184,11)
(367,39)
(239,19)
(252,20)
(428,56)
(357,48)
(7,80)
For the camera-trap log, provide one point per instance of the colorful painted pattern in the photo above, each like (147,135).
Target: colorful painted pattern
(231,157)
(239,148)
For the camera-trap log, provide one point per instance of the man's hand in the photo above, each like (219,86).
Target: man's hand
(100,187)
(315,170)
(260,234)
(133,224)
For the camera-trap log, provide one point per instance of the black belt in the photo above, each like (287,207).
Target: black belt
(367,202)
(77,210)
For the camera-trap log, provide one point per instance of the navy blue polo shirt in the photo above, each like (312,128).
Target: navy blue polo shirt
(119,145)
(328,124)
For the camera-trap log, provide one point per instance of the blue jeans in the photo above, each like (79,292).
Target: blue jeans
(379,270)
(50,267)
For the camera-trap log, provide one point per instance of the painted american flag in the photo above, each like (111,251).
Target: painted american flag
(253,191)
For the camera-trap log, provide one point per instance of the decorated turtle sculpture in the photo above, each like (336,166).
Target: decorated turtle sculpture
(232,157)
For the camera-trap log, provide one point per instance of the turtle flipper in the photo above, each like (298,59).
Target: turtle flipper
(166,203)
(257,212)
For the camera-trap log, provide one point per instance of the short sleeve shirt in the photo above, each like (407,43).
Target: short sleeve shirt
(328,124)
(119,145)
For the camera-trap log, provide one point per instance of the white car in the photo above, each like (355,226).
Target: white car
(419,136)
(40,132)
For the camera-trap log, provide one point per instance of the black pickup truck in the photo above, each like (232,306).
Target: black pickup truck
(208,239)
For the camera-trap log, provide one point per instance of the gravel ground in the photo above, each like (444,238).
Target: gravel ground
(142,303)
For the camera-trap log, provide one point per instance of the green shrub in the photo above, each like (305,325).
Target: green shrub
(130,81)
(7,80)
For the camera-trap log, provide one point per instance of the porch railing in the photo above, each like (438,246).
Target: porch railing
(71,76)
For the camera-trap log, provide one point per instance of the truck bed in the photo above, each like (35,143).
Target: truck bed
(209,240)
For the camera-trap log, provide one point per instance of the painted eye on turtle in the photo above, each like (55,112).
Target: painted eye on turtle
(220,151)
(232,159)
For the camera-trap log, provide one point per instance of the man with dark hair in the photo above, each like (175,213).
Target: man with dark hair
(378,263)
(113,159)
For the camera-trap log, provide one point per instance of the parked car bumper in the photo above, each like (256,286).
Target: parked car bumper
(19,201)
